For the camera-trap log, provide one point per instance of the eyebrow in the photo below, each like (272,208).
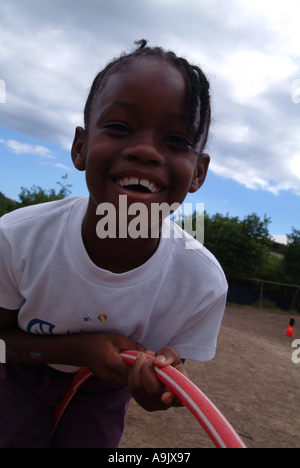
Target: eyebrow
(127,104)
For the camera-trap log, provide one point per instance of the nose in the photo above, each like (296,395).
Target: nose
(146,151)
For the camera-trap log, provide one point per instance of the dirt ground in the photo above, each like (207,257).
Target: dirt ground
(252,381)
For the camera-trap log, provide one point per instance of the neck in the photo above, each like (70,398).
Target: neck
(117,255)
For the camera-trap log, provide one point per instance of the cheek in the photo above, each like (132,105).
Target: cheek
(184,176)
(99,157)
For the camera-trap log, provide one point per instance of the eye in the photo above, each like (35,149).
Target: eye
(179,140)
(118,127)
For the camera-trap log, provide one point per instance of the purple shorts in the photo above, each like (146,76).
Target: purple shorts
(29,394)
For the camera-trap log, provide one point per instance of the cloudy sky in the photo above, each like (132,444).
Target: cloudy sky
(50,51)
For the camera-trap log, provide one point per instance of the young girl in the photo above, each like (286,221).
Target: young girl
(70,299)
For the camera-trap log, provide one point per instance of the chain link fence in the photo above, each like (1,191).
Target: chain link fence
(263,294)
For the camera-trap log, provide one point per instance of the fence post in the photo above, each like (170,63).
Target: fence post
(295,299)
(261,293)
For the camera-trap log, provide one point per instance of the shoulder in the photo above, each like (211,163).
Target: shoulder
(196,260)
(35,213)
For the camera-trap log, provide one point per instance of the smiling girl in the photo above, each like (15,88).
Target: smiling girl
(146,125)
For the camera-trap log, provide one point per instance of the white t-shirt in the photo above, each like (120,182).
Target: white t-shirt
(177,298)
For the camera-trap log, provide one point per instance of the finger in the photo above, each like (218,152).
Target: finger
(152,385)
(113,369)
(125,343)
(168,398)
(167,356)
(146,388)
(138,363)
(143,380)
(134,379)
(114,365)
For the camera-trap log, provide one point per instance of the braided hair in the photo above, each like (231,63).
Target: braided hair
(199,108)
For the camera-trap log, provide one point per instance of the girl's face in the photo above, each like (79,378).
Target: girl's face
(137,135)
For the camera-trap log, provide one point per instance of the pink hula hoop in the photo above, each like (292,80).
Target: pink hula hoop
(213,422)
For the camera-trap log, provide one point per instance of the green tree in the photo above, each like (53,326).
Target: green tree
(34,196)
(7,205)
(257,244)
(273,269)
(241,246)
(291,260)
(38,195)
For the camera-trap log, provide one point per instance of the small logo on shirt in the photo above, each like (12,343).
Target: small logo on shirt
(40,327)
(86,318)
(102,318)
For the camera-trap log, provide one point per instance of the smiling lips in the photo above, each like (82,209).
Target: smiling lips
(139,185)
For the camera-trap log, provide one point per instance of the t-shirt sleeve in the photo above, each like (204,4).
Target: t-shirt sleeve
(10,297)
(197,339)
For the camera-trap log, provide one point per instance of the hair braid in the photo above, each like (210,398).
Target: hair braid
(198,87)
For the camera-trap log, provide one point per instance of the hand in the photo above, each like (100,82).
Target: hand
(144,385)
(100,352)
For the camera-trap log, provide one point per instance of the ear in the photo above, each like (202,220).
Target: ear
(200,172)
(78,149)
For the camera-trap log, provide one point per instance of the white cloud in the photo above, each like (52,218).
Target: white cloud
(25,148)
(50,52)
(250,72)
(43,152)
(63,166)
(295,165)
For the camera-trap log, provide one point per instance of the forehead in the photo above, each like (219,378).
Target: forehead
(145,78)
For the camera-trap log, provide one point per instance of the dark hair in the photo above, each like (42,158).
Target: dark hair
(198,86)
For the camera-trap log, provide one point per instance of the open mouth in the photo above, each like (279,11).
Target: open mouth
(138,185)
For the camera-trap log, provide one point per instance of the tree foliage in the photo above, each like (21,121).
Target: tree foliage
(243,248)
(34,196)
(291,261)
(7,205)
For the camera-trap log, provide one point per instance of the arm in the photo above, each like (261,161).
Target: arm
(99,352)
(20,344)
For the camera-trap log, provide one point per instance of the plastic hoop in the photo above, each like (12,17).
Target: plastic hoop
(213,422)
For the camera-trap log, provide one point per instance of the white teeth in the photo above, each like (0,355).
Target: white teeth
(135,181)
(145,183)
(152,187)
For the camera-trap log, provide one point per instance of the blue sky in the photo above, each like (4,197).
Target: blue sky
(50,52)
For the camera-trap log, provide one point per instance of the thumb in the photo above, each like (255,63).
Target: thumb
(131,345)
(125,344)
